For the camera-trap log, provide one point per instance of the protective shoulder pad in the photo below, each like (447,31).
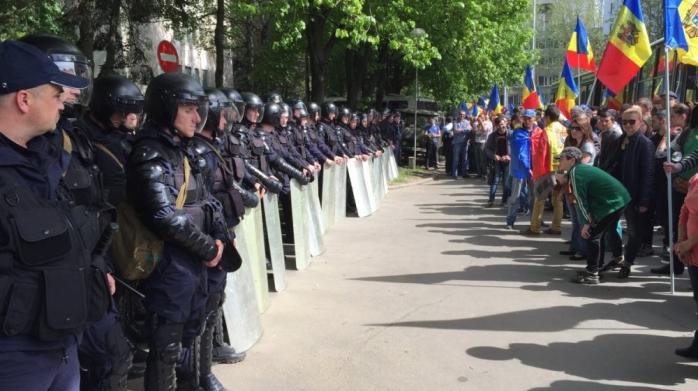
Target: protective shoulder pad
(146,152)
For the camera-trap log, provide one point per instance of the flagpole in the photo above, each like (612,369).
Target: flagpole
(579,78)
(670,212)
(591,92)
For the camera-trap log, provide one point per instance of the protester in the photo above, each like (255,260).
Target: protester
(520,166)
(433,134)
(601,200)
(687,251)
(461,135)
(637,177)
(497,150)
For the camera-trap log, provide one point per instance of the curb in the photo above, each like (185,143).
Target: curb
(419,182)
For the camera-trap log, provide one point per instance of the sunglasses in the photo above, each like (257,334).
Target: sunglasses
(628,122)
(575,127)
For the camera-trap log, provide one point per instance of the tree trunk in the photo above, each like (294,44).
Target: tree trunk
(356,67)
(382,70)
(318,48)
(86,40)
(113,38)
(219,42)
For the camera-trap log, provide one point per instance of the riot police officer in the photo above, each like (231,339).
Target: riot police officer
(274,151)
(222,176)
(52,286)
(327,131)
(315,136)
(105,354)
(114,109)
(159,168)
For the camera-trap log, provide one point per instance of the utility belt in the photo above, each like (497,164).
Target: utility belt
(49,286)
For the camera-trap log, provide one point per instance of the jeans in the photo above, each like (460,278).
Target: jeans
(479,158)
(577,243)
(500,171)
(517,191)
(460,159)
(595,243)
(432,146)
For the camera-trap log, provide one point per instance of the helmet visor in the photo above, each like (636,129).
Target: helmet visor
(191,115)
(77,66)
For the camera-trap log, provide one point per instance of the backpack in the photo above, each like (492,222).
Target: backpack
(135,248)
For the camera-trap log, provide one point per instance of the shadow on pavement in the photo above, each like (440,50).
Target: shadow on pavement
(652,315)
(572,385)
(625,357)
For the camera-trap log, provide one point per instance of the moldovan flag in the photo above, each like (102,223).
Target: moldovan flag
(494,101)
(579,53)
(530,98)
(476,110)
(628,48)
(566,92)
(688,14)
(614,101)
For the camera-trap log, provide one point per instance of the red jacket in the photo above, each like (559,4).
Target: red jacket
(540,153)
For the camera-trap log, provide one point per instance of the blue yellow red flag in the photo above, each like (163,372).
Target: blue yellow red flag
(579,53)
(566,91)
(628,48)
(529,93)
(494,105)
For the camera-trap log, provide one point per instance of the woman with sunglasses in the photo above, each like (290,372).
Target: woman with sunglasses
(581,137)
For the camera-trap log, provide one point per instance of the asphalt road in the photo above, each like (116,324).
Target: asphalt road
(432,293)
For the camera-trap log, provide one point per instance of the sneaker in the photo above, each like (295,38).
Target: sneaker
(586,278)
(489,204)
(577,257)
(510,227)
(613,264)
(529,232)
(551,231)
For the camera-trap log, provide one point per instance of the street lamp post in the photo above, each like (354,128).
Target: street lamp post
(417,33)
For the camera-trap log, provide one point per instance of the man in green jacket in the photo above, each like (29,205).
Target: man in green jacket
(601,200)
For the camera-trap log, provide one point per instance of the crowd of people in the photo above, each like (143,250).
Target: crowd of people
(598,168)
(119,208)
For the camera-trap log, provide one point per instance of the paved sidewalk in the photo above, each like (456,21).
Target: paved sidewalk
(432,293)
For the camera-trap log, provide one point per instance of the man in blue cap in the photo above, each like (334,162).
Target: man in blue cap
(50,285)
(520,167)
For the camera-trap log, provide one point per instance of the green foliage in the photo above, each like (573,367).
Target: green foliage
(20,18)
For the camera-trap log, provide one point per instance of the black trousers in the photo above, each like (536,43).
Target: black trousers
(595,243)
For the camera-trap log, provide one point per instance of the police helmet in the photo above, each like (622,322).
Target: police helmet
(356,117)
(313,108)
(299,105)
(327,108)
(114,93)
(68,58)
(220,105)
(253,102)
(235,97)
(303,113)
(274,97)
(166,92)
(344,112)
(272,114)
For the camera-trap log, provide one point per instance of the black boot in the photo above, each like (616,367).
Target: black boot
(189,366)
(208,380)
(690,351)
(165,347)
(222,352)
